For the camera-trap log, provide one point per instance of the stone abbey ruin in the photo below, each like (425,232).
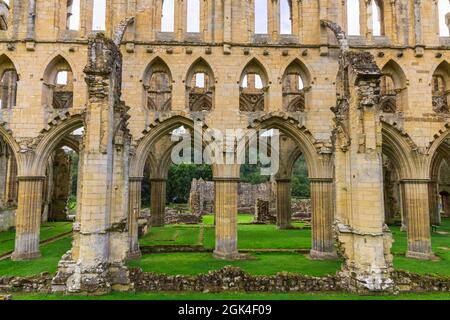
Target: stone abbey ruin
(368,110)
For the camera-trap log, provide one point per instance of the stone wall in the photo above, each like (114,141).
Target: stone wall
(232,279)
(7,219)
(201,198)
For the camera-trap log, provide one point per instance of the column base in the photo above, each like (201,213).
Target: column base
(25,256)
(420,255)
(74,278)
(230,256)
(319,255)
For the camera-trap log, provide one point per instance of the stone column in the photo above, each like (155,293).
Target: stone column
(284,204)
(322,220)
(416,208)
(446,205)
(28,218)
(134,208)
(158,201)
(11,181)
(435,214)
(226,180)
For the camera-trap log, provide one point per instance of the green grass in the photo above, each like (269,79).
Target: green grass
(51,254)
(231,296)
(48,230)
(439,242)
(261,264)
(172,235)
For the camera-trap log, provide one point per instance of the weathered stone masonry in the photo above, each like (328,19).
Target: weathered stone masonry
(391,105)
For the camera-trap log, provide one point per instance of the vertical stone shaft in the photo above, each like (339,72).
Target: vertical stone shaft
(158,202)
(322,219)
(284,203)
(416,206)
(226,196)
(435,215)
(133,216)
(28,218)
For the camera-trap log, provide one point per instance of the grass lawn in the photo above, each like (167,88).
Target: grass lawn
(232,296)
(48,230)
(441,247)
(51,254)
(263,264)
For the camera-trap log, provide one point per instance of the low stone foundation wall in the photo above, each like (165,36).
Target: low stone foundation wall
(233,279)
(7,219)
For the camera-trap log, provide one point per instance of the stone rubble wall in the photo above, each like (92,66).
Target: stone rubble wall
(234,279)
(201,198)
(7,219)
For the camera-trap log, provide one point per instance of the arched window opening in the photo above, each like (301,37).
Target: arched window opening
(440,94)
(73,15)
(99,15)
(393,88)
(444,18)
(58,85)
(252,93)
(167,16)
(158,87)
(4,13)
(285,17)
(193,16)
(261,17)
(9,89)
(440,88)
(295,87)
(353,25)
(378,18)
(200,87)
(293,93)
(388,94)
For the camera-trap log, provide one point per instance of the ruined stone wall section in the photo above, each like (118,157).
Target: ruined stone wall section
(227,43)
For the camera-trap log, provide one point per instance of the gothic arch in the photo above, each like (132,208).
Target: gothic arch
(157,95)
(398,148)
(394,95)
(254,65)
(295,81)
(51,138)
(151,136)
(319,165)
(253,87)
(7,62)
(200,86)
(54,94)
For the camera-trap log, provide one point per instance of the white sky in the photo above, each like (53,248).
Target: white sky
(75,18)
(444,8)
(99,17)
(168,13)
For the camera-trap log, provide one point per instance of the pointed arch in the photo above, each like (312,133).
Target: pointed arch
(319,165)
(200,86)
(440,87)
(9,78)
(157,86)
(295,82)
(253,87)
(58,78)
(394,95)
(51,137)
(400,151)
